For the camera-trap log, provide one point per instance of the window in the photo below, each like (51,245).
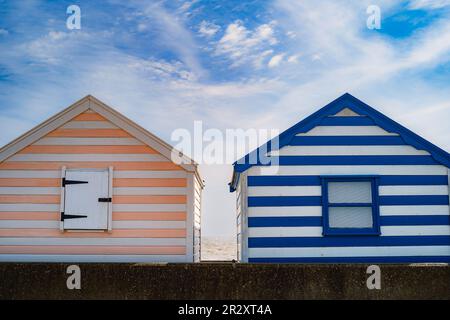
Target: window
(350,205)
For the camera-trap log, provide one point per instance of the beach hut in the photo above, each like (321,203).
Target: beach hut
(345,185)
(90,185)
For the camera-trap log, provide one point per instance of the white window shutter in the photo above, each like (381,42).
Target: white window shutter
(87,200)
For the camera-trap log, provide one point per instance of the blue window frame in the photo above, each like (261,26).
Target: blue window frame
(350,205)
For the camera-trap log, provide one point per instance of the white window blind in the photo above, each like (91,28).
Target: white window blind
(350,192)
(350,217)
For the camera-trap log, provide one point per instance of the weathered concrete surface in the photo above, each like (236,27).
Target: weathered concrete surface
(222,281)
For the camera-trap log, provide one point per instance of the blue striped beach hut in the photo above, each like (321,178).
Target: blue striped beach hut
(345,185)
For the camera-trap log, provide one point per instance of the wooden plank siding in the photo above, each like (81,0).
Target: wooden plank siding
(284,212)
(150,193)
(197,220)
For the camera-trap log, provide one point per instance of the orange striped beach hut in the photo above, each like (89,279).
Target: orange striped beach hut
(90,185)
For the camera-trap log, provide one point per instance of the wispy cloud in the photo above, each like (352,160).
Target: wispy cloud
(208,29)
(275,60)
(428,4)
(242,45)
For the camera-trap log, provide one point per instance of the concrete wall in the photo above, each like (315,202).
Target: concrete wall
(222,281)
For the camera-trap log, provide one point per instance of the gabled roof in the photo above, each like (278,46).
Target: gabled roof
(345,104)
(90,102)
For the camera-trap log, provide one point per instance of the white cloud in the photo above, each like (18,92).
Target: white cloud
(291,34)
(173,32)
(428,4)
(242,45)
(208,29)
(275,60)
(293,58)
(3,32)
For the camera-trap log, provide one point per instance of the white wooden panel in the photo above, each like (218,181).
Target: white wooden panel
(415,230)
(346,112)
(150,174)
(350,170)
(413,210)
(52,224)
(317,231)
(300,211)
(316,211)
(347,131)
(148,191)
(88,157)
(284,191)
(29,224)
(348,150)
(148,207)
(91,258)
(149,224)
(29,190)
(39,207)
(92,241)
(82,199)
(413,190)
(351,251)
(317,190)
(88,125)
(88,141)
(30,174)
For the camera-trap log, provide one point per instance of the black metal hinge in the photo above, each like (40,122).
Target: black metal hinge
(65,182)
(71,216)
(104,200)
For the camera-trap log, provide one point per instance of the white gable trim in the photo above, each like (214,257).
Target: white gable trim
(141,134)
(89,102)
(44,128)
(346,112)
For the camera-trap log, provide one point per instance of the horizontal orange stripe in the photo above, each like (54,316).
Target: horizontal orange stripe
(56,165)
(89,117)
(29,199)
(29,182)
(116,233)
(88,149)
(112,133)
(30,215)
(150,182)
(162,216)
(149,199)
(91,250)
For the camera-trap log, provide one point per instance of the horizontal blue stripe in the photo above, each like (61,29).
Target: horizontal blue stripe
(354,160)
(347,141)
(413,180)
(259,181)
(284,201)
(255,181)
(347,121)
(317,221)
(336,160)
(284,221)
(317,201)
(413,200)
(413,259)
(347,241)
(428,220)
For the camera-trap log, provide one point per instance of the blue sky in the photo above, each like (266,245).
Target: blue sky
(258,64)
